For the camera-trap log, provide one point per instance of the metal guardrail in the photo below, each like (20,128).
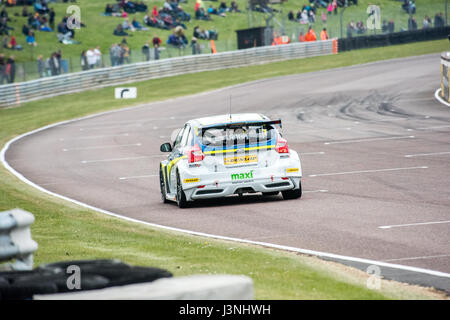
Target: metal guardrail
(445,76)
(15,239)
(17,93)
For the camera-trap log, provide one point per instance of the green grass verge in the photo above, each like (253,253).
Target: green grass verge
(65,231)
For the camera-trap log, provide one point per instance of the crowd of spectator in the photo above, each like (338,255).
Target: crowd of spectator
(170,16)
(52,66)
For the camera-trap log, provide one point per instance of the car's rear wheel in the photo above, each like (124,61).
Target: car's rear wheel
(293,194)
(162,185)
(181,196)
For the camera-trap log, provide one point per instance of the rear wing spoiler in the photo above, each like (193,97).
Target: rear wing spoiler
(234,125)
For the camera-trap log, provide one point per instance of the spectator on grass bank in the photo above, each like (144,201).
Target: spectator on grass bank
(119,31)
(98,56)
(350,28)
(427,23)
(51,18)
(156,44)
(91,58)
(311,35)
(55,64)
(3,76)
(41,66)
(412,23)
(115,52)
(146,51)
(125,54)
(301,37)
(11,69)
(195,46)
(84,61)
(439,20)
(31,39)
(324,34)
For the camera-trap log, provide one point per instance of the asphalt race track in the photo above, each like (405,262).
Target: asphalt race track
(374,144)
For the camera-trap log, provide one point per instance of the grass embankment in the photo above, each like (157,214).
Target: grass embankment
(65,231)
(100,28)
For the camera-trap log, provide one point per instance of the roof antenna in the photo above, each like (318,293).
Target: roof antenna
(230,108)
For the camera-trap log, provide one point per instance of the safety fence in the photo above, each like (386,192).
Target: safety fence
(445,76)
(389,39)
(17,93)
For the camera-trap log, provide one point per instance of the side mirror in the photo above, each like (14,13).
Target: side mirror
(165,147)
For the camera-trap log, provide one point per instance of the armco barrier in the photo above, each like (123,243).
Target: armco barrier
(15,239)
(17,93)
(445,76)
(389,39)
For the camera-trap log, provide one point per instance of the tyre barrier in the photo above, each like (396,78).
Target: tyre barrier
(55,278)
(97,279)
(445,76)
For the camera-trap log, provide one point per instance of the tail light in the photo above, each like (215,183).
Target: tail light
(195,154)
(282,145)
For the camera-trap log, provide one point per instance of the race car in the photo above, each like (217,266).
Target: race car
(226,155)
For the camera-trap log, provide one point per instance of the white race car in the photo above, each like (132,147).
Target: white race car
(224,155)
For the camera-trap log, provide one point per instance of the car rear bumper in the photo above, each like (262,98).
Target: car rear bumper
(227,188)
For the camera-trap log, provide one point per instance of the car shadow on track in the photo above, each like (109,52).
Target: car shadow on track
(234,200)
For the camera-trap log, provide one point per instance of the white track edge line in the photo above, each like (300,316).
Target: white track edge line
(258,243)
(438,98)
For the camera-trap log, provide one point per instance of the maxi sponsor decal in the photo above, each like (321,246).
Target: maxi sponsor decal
(240,177)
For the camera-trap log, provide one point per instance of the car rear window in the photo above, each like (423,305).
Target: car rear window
(245,135)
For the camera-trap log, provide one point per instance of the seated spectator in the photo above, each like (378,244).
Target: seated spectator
(25,11)
(25,30)
(119,31)
(4,14)
(304,17)
(200,14)
(30,39)
(41,7)
(212,10)
(409,6)
(141,7)
(135,24)
(127,26)
(223,7)
(64,33)
(234,7)
(4,28)
(108,10)
(291,16)
(183,15)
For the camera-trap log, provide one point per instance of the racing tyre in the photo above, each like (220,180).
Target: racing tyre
(162,185)
(181,197)
(293,194)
